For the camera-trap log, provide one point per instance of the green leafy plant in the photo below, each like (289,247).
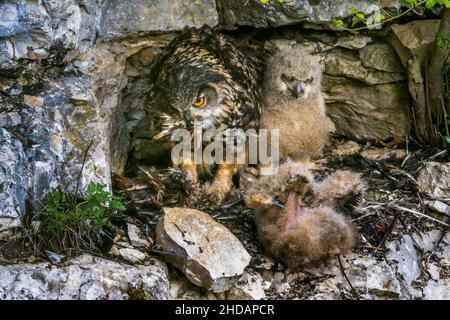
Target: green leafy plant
(65,222)
(360,21)
(443,42)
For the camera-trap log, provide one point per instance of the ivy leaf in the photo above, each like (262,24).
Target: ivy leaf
(338,23)
(442,40)
(410,3)
(446,141)
(430,4)
(355,21)
(379,17)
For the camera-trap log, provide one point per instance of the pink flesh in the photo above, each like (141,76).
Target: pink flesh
(293,210)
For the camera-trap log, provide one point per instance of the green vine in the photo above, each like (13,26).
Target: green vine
(359,21)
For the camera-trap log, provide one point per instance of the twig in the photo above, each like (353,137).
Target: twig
(405,174)
(81,170)
(231,204)
(355,293)
(417,213)
(444,232)
(364,216)
(434,156)
(371,247)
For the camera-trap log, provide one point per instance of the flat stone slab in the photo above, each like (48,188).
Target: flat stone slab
(206,251)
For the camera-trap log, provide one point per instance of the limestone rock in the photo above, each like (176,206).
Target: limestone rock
(132,255)
(437,290)
(249,287)
(13,181)
(438,206)
(434,179)
(135,239)
(183,289)
(367,112)
(57,132)
(85,277)
(375,278)
(257,14)
(381,56)
(416,35)
(341,63)
(149,15)
(207,252)
(434,271)
(353,42)
(405,256)
(327,290)
(428,242)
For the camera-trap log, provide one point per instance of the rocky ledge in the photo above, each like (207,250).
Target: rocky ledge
(73,86)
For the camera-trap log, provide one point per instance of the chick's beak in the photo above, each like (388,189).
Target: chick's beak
(277,203)
(297,90)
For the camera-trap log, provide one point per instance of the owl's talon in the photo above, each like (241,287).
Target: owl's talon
(217,192)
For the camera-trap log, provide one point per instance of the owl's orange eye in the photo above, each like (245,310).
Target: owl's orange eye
(199,101)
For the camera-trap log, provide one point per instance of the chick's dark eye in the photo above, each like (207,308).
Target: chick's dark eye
(286,78)
(199,101)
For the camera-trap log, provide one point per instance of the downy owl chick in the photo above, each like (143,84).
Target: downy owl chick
(294,223)
(293,103)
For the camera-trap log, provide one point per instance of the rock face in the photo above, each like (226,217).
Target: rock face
(13,181)
(434,179)
(417,35)
(437,290)
(255,13)
(207,252)
(86,278)
(151,15)
(53,120)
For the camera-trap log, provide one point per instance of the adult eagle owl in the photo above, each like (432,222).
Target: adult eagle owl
(202,78)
